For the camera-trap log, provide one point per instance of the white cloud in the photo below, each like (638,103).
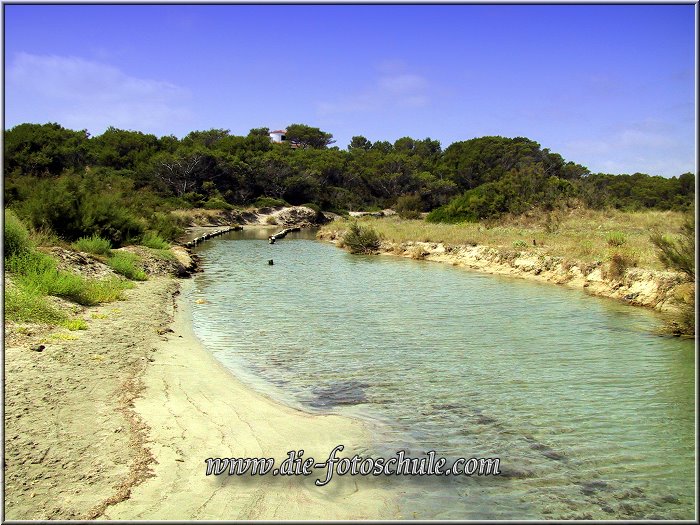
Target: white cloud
(83,94)
(390,90)
(646,147)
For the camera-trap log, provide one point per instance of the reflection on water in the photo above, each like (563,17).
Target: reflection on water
(591,414)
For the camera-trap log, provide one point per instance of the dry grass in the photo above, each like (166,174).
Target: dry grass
(581,234)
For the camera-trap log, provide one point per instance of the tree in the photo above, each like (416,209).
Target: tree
(358,142)
(307,137)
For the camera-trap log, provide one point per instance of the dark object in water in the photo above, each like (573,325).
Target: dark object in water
(270,262)
(272,239)
(339,393)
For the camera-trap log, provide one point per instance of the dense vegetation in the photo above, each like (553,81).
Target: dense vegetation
(121,184)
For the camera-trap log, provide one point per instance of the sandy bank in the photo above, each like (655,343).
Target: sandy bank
(637,286)
(73,444)
(195,409)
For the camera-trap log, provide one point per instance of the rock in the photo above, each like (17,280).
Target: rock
(38,348)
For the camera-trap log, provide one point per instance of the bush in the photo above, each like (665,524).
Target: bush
(520,244)
(616,239)
(271,220)
(16,236)
(619,262)
(124,263)
(269,202)
(678,255)
(359,239)
(217,203)
(409,206)
(155,241)
(94,244)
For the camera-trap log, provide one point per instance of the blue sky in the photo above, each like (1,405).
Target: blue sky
(608,86)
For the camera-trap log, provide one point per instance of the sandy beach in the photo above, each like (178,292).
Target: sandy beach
(117,424)
(197,409)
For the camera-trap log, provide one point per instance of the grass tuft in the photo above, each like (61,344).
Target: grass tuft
(155,241)
(94,244)
(124,263)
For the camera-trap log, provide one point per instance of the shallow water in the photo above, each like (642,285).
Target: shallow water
(590,413)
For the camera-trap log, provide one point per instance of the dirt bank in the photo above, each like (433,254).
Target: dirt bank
(634,286)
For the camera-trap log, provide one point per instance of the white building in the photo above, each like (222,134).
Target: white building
(279,135)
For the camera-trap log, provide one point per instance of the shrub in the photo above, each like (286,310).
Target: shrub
(409,206)
(94,244)
(16,236)
(618,264)
(269,202)
(359,239)
(519,244)
(217,203)
(124,263)
(678,255)
(616,239)
(104,291)
(270,219)
(155,241)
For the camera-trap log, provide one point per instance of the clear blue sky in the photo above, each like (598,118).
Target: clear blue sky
(608,86)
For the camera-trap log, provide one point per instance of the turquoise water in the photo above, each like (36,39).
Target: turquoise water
(591,414)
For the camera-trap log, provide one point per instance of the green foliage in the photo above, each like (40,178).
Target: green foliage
(409,206)
(94,244)
(16,236)
(308,137)
(217,203)
(616,239)
(155,241)
(678,254)
(29,306)
(116,184)
(361,239)
(124,263)
(269,202)
(75,206)
(37,273)
(75,324)
(520,244)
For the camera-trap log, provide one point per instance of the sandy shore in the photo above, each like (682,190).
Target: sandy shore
(195,409)
(117,421)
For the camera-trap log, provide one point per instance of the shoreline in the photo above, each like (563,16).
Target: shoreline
(195,409)
(637,287)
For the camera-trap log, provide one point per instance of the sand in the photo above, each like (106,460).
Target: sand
(197,409)
(116,422)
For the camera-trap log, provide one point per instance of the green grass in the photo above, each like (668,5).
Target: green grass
(155,241)
(37,272)
(124,263)
(616,239)
(16,236)
(75,324)
(94,244)
(30,306)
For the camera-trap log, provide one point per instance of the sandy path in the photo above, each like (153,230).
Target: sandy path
(71,440)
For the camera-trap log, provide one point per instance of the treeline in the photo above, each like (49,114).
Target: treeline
(120,183)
